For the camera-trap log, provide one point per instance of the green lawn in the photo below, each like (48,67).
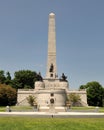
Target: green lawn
(30,123)
(18,108)
(27,108)
(89,108)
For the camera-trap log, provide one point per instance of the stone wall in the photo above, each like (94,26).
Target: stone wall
(44,96)
(22,95)
(82,94)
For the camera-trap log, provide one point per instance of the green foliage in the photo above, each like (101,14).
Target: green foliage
(24,78)
(7,95)
(8,79)
(28,123)
(5,78)
(31,100)
(83,87)
(2,77)
(95,93)
(74,99)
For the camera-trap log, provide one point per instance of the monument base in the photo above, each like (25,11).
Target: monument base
(51,95)
(52,110)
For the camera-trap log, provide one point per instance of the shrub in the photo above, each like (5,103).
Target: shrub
(8,95)
(31,100)
(74,99)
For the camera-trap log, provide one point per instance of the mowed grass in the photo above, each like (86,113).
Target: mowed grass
(27,108)
(31,123)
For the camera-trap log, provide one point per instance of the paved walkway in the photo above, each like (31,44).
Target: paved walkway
(59,114)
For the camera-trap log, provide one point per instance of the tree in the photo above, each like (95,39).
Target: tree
(8,95)
(95,93)
(31,100)
(5,79)
(24,79)
(2,77)
(74,99)
(82,87)
(8,79)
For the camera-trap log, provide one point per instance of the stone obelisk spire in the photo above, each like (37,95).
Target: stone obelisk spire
(51,62)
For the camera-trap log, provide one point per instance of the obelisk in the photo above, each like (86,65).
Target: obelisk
(51,61)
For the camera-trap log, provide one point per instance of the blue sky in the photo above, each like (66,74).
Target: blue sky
(79,36)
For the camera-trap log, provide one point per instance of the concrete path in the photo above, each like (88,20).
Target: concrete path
(58,115)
